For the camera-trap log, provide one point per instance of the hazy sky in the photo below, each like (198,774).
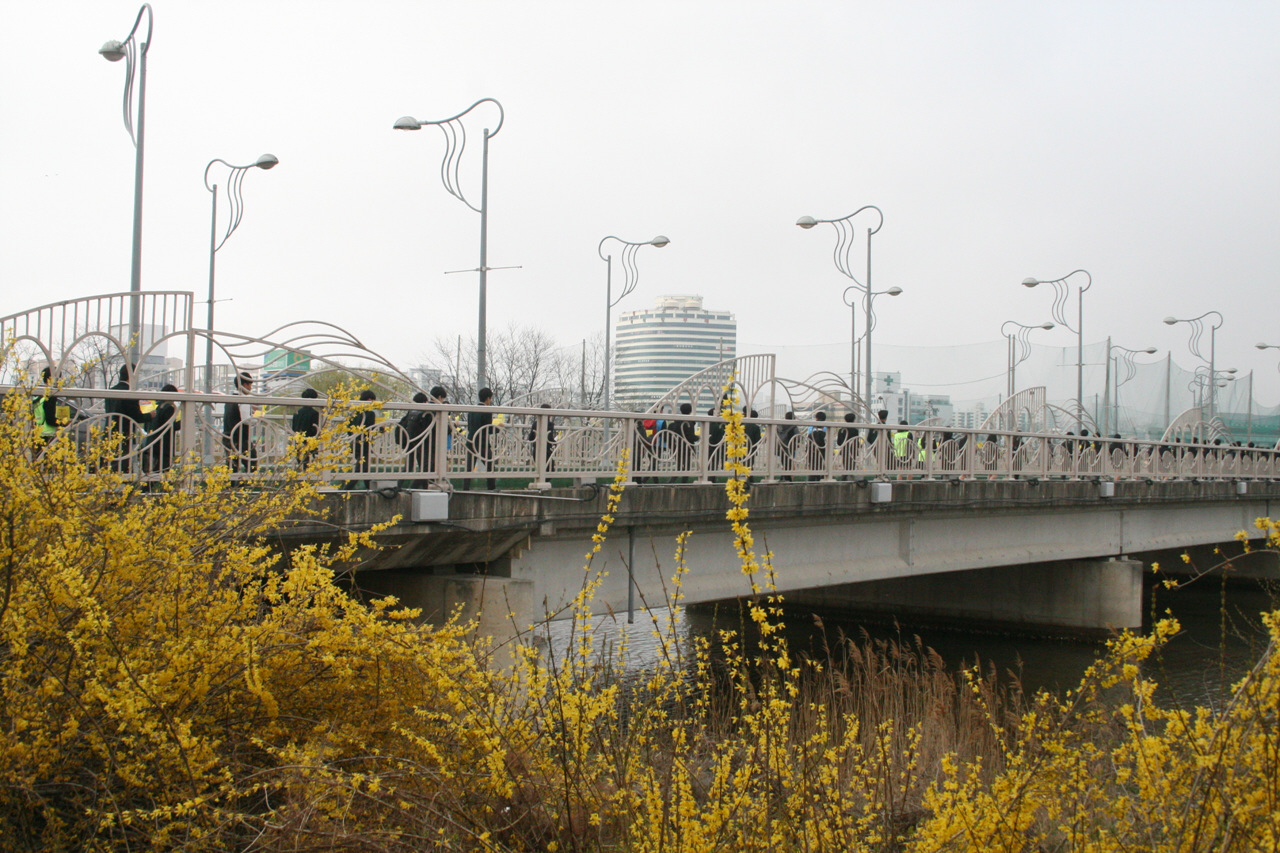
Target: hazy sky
(1139,141)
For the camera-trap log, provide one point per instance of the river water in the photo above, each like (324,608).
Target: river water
(1222,637)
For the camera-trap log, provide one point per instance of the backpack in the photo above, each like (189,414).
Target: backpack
(408,426)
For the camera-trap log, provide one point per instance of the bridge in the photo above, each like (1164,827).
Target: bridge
(1052,556)
(1013,523)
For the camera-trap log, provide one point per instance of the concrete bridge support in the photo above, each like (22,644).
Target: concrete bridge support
(501,607)
(1077,597)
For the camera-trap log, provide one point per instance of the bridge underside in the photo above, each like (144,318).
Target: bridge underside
(1041,556)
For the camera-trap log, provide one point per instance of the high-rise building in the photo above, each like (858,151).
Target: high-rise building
(660,347)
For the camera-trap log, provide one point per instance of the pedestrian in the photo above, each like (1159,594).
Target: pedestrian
(430,431)
(686,448)
(786,437)
(306,426)
(715,440)
(237,437)
(550,439)
(901,444)
(124,418)
(45,408)
(818,446)
(362,424)
(480,438)
(846,442)
(161,430)
(411,433)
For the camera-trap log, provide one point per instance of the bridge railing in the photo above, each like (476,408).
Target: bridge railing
(523,447)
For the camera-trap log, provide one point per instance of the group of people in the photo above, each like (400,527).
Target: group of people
(154,432)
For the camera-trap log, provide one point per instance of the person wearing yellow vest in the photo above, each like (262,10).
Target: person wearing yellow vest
(45,409)
(901,439)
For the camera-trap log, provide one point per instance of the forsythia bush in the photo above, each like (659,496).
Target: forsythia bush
(168,681)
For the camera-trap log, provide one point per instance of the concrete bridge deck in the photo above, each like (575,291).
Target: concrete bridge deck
(1060,543)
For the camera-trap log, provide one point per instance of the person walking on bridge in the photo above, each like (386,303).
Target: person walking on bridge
(45,408)
(479,438)
(306,426)
(236,437)
(124,417)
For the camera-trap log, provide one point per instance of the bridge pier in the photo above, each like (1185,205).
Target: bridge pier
(501,607)
(1079,597)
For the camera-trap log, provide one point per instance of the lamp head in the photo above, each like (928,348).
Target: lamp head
(407,123)
(806,222)
(1030,282)
(1046,326)
(894,291)
(1150,350)
(1231,370)
(659,241)
(1169,321)
(266,161)
(112,50)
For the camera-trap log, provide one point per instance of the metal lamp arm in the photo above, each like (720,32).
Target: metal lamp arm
(631,273)
(455,140)
(235,199)
(129,46)
(846,234)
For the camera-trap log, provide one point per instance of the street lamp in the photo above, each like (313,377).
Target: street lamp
(1018,348)
(1270,346)
(845,234)
(135,66)
(1197,331)
(853,327)
(455,135)
(236,210)
(1124,356)
(632,277)
(1061,291)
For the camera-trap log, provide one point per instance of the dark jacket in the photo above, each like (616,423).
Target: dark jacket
(128,413)
(306,421)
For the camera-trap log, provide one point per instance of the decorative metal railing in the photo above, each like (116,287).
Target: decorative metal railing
(527,447)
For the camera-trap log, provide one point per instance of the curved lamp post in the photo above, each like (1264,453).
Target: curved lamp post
(1018,348)
(455,135)
(135,67)
(632,277)
(1197,325)
(236,210)
(845,235)
(1061,290)
(1123,358)
(854,338)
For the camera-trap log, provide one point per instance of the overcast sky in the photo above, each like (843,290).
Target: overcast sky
(1139,141)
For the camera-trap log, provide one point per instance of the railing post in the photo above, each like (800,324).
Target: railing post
(770,444)
(829,454)
(704,455)
(632,426)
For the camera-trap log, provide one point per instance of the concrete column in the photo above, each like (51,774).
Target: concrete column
(1086,597)
(500,607)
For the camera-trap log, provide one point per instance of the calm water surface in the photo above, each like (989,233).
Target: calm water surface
(1222,637)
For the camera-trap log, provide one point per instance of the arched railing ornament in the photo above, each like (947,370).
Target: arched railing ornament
(1033,403)
(1192,426)
(824,390)
(753,374)
(89,336)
